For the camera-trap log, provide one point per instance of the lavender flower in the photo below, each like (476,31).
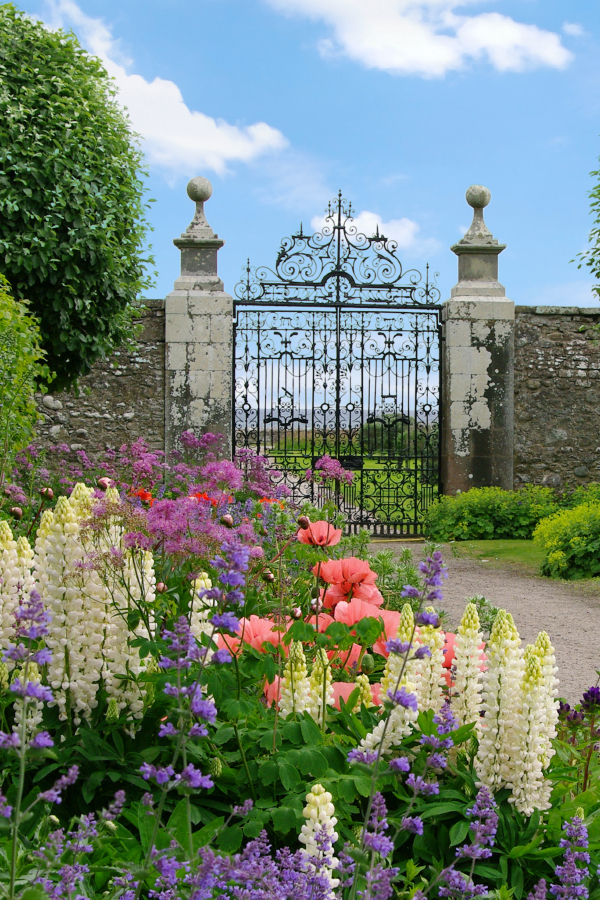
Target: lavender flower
(367,757)
(404,698)
(413,824)
(571,876)
(54,795)
(399,764)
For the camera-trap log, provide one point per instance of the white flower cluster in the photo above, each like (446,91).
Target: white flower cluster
(430,678)
(16,580)
(501,694)
(466,694)
(295,694)
(201,610)
(521,713)
(90,606)
(319,813)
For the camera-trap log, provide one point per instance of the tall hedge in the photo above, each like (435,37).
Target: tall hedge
(73,229)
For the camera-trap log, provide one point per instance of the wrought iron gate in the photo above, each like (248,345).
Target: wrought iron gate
(337,352)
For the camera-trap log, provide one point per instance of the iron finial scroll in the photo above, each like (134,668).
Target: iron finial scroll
(338,265)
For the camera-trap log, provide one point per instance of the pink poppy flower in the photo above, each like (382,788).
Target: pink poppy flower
(349,577)
(346,658)
(255,631)
(320,534)
(228,642)
(353,612)
(344,689)
(325,621)
(272,691)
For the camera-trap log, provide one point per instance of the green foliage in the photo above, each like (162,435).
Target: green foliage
(21,366)
(571,541)
(72,222)
(488,513)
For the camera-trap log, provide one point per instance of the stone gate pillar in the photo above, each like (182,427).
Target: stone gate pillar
(478,364)
(198,333)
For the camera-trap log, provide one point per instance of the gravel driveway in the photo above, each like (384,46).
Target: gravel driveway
(569,612)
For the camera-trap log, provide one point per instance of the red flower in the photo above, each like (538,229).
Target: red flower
(349,577)
(320,534)
(271,500)
(204,496)
(144,495)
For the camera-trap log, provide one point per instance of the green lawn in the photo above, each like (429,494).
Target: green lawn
(520,553)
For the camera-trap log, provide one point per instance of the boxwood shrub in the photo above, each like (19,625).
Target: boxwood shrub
(490,512)
(571,542)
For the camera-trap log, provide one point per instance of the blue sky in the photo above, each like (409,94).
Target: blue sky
(400,103)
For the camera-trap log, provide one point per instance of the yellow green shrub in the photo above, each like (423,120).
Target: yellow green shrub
(571,542)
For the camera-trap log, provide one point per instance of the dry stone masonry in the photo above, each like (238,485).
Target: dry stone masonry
(120,400)
(519,384)
(557,396)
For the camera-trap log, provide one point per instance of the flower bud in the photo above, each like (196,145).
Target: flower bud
(215,767)
(104,483)
(112,712)
(368,664)
(16,512)
(315,592)
(47,493)
(316,605)
(227,520)
(296,612)
(161,588)
(268,577)
(52,820)
(303,522)
(110,826)
(7,492)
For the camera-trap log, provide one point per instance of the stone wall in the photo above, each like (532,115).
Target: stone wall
(121,399)
(557,396)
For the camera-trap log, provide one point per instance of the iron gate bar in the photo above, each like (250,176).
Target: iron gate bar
(281,357)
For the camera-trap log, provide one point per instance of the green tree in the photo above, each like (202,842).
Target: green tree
(73,227)
(22,366)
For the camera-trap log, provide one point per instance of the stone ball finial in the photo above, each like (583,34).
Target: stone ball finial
(477,196)
(199,189)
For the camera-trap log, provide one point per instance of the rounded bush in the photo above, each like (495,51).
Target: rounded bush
(571,542)
(488,513)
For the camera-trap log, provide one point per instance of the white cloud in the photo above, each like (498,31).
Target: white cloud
(427,37)
(573,28)
(175,136)
(405,232)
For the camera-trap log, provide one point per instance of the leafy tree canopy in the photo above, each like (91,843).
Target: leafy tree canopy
(22,366)
(73,227)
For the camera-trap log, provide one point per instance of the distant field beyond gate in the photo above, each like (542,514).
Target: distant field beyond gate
(337,351)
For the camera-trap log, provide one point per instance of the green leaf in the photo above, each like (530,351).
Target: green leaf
(368,630)
(89,787)
(284,819)
(206,834)
(231,839)
(290,777)
(292,732)
(458,832)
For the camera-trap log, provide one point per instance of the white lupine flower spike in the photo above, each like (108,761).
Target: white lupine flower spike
(495,759)
(468,678)
(431,679)
(395,663)
(10,572)
(530,790)
(319,813)
(545,651)
(295,687)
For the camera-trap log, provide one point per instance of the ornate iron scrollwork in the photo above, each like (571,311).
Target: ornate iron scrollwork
(337,351)
(337,265)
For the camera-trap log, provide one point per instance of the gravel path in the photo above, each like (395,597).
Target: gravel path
(569,612)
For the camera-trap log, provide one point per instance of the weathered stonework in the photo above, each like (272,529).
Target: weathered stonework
(478,348)
(122,398)
(198,333)
(557,396)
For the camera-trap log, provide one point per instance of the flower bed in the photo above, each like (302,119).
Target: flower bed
(207,692)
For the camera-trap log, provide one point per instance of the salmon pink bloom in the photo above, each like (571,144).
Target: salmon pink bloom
(346,658)
(325,621)
(344,689)
(349,578)
(255,631)
(320,534)
(273,691)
